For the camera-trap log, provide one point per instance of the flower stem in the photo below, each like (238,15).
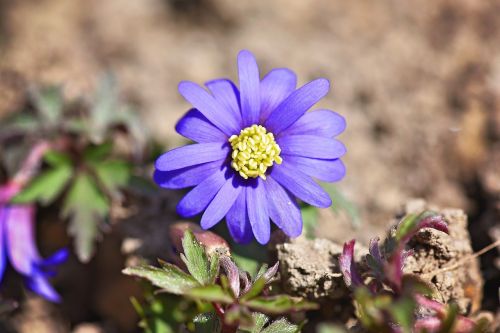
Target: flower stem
(221,314)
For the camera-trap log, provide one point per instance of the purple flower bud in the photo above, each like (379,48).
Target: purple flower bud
(348,267)
(233,274)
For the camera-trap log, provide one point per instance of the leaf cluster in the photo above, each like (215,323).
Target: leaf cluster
(235,299)
(386,299)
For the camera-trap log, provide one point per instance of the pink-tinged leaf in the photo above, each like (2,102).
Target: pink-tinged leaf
(394,271)
(232,273)
(245,281)
(430,304)
(348,267)
(271,272)
(412,224)
(375,250)
(429,324)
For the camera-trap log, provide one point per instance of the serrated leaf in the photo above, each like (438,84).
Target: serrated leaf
(214,268)
(46,187)
(210,293)
(104,106)
(86,207)
(113,174)
(281,326)
(169,278)
(195,258)
(49,101)
(260,320)
(279,304)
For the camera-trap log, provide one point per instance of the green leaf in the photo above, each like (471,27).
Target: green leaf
(169,278)
(210,293)
(49,101)
(86,206)
(196,259)
(327,328)
(113,174)
(214,268)
(260,320)
(207,323)
(310,220)
(281,326)
(56,158)
(46,187)
(406,226)
(402,311)
(97,153)
(450,320)
(279,304)
(255,290)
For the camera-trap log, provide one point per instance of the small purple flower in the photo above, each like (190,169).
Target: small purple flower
(17,243)
(256,151)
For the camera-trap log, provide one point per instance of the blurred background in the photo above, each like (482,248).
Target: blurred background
(418,83)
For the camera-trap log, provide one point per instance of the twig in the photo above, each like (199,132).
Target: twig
(463,261)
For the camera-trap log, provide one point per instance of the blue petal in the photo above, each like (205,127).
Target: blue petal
(57,258)
(187,177)
(274,88)
(195,126)
(220,205)
(325,170)
(237,220)
(320,122)
(196,200)
(300,185)
(311,146)
(283,209)
(248,73)
(3,255)
(295,105)
(194,154)
(21,245)
(228,95)
(209,107)
(40,285)
(258,212)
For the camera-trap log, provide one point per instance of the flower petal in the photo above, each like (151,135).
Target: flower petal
(40,285)
(248,73)
(320,123)
(194,154)
(20,238)
(311,146)
(3,255)
(188,176)
(196,200)
(258,212)
(325,170)
(274,88)
(300,185)
(195,126)
(237,220)
(56,258)
(228,95)
(283,209)
(295,105)
(221,204)
(215,112)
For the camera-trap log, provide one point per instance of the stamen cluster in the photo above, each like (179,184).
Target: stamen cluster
(254,150)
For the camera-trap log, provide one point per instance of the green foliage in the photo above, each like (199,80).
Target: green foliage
(85,205)
(232,293)
(169,278)
(49,101)
(47,186)
(327,328)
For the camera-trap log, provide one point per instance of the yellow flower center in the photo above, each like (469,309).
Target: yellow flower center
(254,150)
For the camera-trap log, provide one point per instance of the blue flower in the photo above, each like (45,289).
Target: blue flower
(256,151)
(17,243)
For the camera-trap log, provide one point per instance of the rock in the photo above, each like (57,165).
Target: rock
(309,268)
(435,250)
